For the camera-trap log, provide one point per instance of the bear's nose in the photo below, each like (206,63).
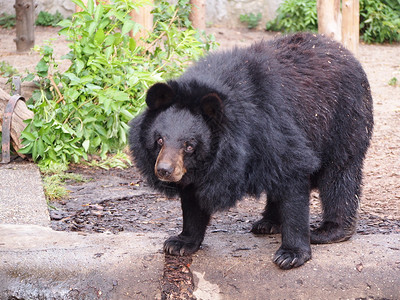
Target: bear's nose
(164,170)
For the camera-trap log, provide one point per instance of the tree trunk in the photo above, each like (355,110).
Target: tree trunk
(198,14)
(351,25)
(21,113)
(25,24)
(329,18)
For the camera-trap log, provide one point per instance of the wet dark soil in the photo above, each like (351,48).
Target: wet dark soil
(120,200)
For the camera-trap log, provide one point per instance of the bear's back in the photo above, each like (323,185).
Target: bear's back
(306,79)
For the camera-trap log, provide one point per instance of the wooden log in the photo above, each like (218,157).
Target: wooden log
(351,25)
(330,19)
(25,24)
(21,113)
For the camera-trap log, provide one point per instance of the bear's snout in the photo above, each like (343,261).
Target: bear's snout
(169,165)
(164,170)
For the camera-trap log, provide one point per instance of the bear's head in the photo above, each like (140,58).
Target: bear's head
(180,134)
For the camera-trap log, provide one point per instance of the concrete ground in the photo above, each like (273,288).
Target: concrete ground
(39,263)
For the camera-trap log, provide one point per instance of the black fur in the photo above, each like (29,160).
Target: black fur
(282,117)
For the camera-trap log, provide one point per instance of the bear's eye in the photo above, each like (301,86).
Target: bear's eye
(160,141)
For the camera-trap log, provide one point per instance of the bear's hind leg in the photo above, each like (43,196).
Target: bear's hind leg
(270,223)
(195,221)
(340,189)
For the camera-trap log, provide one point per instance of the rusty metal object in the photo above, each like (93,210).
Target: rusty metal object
(6,133)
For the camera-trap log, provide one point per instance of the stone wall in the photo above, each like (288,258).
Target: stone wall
(219,12)
(227,12)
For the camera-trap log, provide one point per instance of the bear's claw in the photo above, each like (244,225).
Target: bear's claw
(180,246)
(288,259)
(265,227)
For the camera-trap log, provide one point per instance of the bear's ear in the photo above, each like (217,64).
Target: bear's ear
(160,95)
(211,106)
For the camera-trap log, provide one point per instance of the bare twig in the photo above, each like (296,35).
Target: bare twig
(57,90)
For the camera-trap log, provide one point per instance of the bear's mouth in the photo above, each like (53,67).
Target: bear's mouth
(169,165)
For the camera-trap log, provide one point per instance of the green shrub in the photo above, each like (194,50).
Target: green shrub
(379,20)
(295,15)
(47,19)
(252,20)
(86,110)
(7,21)
(7,70)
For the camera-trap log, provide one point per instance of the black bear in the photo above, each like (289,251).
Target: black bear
(281,117)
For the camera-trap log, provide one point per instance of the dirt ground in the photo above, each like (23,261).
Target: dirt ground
(119,200)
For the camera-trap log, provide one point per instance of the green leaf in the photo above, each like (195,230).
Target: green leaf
(109,40)
(40,148)
(27,149)
(79,66)
(29,77)
(89,120)
(86,145)
(93,86)
(42,68)
(79,3)
(122,134)
(98,12)
(91,28)
(71,94)
(100,130)
(99,36)
(132,44)
(90,6)
(107,103)
(73,78)
(128,26)
(35,151)
(28,136)
(127,114)
(109,51)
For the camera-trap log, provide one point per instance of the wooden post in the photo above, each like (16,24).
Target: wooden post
(25,24)
(351,25)
(143,17)
(329,18)
(197,16)
(21,113)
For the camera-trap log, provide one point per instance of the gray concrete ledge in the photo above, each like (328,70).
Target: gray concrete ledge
(22,198)
(365,267)
(39,263)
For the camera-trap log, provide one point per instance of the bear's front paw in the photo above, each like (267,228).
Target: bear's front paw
(264,226)
(291,258)
(179,245)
